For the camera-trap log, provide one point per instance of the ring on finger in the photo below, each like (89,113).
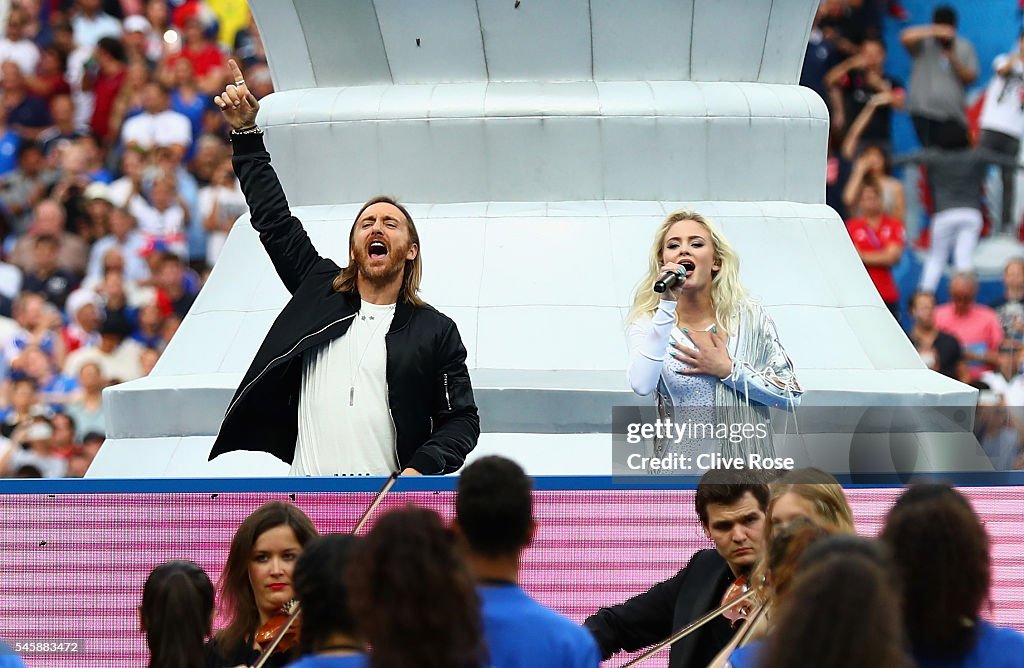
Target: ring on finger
(240,82)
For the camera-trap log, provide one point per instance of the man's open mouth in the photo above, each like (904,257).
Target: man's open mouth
(377,249)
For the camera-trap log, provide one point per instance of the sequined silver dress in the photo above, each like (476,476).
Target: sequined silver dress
(762,376)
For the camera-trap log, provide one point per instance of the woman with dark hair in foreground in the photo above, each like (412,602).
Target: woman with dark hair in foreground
(329,637)
(842,610)
(177,615)
(413,597)
(257,581)
(941,554)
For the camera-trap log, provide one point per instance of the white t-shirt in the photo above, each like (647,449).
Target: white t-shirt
(89,31)
(120,190)
(230,205)
(124,364)
(84,100)
(1003,110)
(345,425)
(164,129)
(50,466)
(167,225)
(23,52)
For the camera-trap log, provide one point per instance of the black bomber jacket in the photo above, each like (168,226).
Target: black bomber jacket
(429,392)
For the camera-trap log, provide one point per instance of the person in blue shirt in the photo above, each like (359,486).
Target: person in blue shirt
(8,659)
(494,519)
(329,638)
(941,553)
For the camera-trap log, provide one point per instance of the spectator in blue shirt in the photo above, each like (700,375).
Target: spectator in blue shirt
(941,553)
(9,142)
(8,659)
(494,517)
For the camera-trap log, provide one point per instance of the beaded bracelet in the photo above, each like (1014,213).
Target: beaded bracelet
(254,130)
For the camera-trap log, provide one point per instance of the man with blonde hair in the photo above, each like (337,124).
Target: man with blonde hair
(357,376)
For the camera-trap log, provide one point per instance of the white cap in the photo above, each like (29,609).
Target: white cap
(38,431)
(98,190)
(79,298)
(137,23)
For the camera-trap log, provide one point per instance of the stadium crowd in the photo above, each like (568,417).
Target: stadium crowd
(961,142)
(116,196)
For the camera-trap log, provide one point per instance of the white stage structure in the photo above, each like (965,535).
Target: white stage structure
(538,147)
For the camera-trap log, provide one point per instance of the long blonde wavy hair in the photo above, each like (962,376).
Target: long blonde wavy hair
(727,293)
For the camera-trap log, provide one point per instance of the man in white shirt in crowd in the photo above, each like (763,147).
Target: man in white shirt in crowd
(91,24)
(1002,120)
(118,356)
(157,125)
(15,46)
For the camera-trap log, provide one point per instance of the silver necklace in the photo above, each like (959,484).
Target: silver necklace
(355,368)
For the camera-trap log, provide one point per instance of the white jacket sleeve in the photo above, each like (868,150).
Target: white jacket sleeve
(647,340)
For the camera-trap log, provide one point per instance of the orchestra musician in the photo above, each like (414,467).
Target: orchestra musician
(788,543)
(811,493)
(798,496)
(841,610)
(257,581)
(494,521)
(731,506)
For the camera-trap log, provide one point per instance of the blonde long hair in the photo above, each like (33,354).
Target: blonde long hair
(822,491)
(825,495)
(727,293)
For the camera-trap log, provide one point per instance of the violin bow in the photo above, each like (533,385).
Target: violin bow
(388,484)
(690,628)
(293,613)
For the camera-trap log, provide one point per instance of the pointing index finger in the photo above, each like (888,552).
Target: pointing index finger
(236,74)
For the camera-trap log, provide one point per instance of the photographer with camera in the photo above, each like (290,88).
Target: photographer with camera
(944,64)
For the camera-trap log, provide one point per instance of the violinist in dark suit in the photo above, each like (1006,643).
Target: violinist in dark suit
(731,507)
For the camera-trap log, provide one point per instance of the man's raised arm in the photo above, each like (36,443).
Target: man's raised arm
(282,234)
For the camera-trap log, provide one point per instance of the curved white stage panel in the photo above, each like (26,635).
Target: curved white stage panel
(539,148)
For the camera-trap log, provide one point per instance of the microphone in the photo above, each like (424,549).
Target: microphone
(670,278)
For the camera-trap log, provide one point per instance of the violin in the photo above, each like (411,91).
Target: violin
(272,634)
(741,611)
(279,624)
(692,626)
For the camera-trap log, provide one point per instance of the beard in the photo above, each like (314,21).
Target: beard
(378,272)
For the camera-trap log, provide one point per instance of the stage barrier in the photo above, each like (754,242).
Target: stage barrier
(76,555)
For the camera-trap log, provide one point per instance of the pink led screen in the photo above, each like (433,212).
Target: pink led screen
(74,564)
